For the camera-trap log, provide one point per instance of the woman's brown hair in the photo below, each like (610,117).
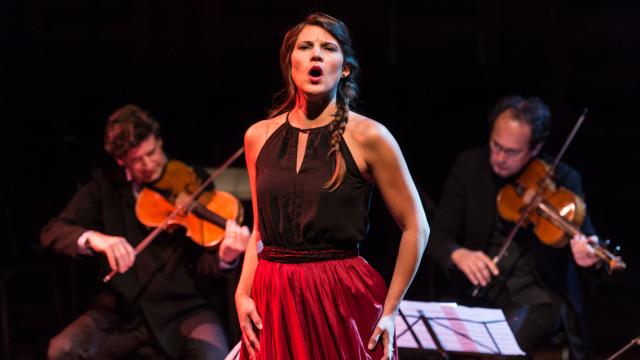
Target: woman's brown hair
(347,87)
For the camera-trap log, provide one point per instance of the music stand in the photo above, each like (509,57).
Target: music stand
(234,354)
(448,328)
(626,348)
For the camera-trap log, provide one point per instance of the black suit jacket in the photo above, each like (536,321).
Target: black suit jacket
(466,217)
(161,286)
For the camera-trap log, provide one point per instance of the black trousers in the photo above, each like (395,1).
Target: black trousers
(533,325)
(104,334)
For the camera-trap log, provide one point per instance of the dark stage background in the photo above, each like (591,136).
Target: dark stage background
(207,70)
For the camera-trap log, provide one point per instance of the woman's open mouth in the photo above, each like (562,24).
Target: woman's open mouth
(315,74)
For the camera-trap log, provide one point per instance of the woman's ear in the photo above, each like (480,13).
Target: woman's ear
(346,71)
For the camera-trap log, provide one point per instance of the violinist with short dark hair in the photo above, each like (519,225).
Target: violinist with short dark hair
(155,301)
(537,286)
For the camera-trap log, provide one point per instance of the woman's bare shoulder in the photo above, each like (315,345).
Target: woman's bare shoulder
(257,134)
(366,131)
(261,130)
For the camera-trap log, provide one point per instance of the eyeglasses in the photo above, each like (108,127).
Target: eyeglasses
(510,153)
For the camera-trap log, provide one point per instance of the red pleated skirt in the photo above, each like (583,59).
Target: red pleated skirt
(318,310)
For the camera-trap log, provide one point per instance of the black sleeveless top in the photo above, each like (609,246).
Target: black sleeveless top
(296,211)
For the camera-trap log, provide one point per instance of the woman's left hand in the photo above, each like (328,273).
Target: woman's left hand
(386,328)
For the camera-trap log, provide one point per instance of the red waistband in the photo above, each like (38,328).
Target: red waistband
(283,255)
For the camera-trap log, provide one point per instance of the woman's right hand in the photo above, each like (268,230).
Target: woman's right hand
(249,321)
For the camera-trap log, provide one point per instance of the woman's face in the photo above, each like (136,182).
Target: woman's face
(317,62)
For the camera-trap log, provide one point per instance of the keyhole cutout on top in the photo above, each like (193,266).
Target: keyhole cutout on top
(303,136)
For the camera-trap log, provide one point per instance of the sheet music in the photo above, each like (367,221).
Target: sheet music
(408,341)
(505,338)
(458,328)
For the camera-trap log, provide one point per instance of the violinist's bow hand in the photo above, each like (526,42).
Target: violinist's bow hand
(119,252)
(476,265)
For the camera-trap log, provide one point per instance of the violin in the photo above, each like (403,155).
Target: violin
(557,213)
(179,178)
(206,217)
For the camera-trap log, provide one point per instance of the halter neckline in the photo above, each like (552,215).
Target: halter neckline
(305,130)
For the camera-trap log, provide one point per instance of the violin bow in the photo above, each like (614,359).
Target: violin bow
(533,203)
(179,209)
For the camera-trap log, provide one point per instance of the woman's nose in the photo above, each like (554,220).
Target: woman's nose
(316,53)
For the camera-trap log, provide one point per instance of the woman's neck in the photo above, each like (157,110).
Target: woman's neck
(313,112)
